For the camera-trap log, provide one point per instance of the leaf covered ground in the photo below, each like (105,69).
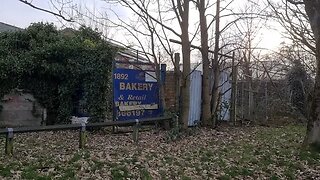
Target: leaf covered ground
(227,153)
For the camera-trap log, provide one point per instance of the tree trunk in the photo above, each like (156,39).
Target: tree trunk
(248,77)
(185,89)
(250,99)
(215,94)
(216,69)
(206,95)
(249,73)
(312,8)
(313,128)
(233,110)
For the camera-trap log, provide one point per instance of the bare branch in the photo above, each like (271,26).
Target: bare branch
(47,11)
(295,2)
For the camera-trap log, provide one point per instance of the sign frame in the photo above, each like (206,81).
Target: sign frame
(135,94)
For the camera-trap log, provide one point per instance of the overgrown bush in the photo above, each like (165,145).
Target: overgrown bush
(300,85)
(60,68)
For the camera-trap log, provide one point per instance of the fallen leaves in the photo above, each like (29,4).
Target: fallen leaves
(238,153)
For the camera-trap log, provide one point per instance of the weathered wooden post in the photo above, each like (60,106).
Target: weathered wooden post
(9,142)
(176,121)
(163,71)
(136,131)
(83,138)
(177,81)
(266,101)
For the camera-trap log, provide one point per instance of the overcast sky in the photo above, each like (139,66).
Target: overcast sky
(21,15)
(15,13)
(18,14)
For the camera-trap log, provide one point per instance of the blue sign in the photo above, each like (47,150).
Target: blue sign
(136,94)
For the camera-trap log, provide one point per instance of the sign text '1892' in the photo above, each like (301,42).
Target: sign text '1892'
(121,76)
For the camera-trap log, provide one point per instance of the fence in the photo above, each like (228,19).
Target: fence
(81,127)
(269,100)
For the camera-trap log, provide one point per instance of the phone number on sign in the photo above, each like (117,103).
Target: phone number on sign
(131,113)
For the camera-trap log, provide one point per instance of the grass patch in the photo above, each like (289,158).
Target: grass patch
(168,159)
(83,154)
(30,172)
(76,157)
(246,172)
(224,177)
(5,171)
(145,175)
(69,173)
(289,173)
(274,177)
(119,172)
(97,165)
(234,153)
(163,175)
(186,178)
(310,155)
(206,155)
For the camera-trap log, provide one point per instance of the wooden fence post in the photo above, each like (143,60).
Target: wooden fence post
(82,133)
(176,121)
(82,139)
(9,142)
(136,131)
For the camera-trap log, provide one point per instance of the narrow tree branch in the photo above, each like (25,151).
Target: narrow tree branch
(295,2)
(47,11)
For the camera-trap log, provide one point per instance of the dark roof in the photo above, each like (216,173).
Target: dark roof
(7,27)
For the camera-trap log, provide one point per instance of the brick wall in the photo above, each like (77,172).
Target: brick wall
(170,92)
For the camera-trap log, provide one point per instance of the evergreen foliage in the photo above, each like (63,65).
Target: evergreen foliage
(300,83)
(62,69)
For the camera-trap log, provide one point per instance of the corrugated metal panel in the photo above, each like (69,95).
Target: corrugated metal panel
(226,95)
(195,98)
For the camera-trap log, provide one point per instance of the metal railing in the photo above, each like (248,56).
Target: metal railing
(9,132)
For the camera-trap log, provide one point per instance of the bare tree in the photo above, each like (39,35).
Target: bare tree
(295,22)
(57,13)
(206,98)
(152,20)
(312,8)
(243,37)
(215,67)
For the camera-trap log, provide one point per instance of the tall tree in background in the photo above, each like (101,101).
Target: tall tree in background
(295,22)
(183,11)
(245,39)
(206,98)
(312,8)
(151,20)
(215,67)
(250,29)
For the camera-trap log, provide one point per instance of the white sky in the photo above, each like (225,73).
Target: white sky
(18,14)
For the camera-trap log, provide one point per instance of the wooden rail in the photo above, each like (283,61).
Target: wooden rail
(82,127)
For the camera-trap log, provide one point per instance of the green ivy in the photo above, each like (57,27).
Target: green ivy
(55,66)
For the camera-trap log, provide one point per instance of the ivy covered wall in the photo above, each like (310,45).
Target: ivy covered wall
(62,69)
